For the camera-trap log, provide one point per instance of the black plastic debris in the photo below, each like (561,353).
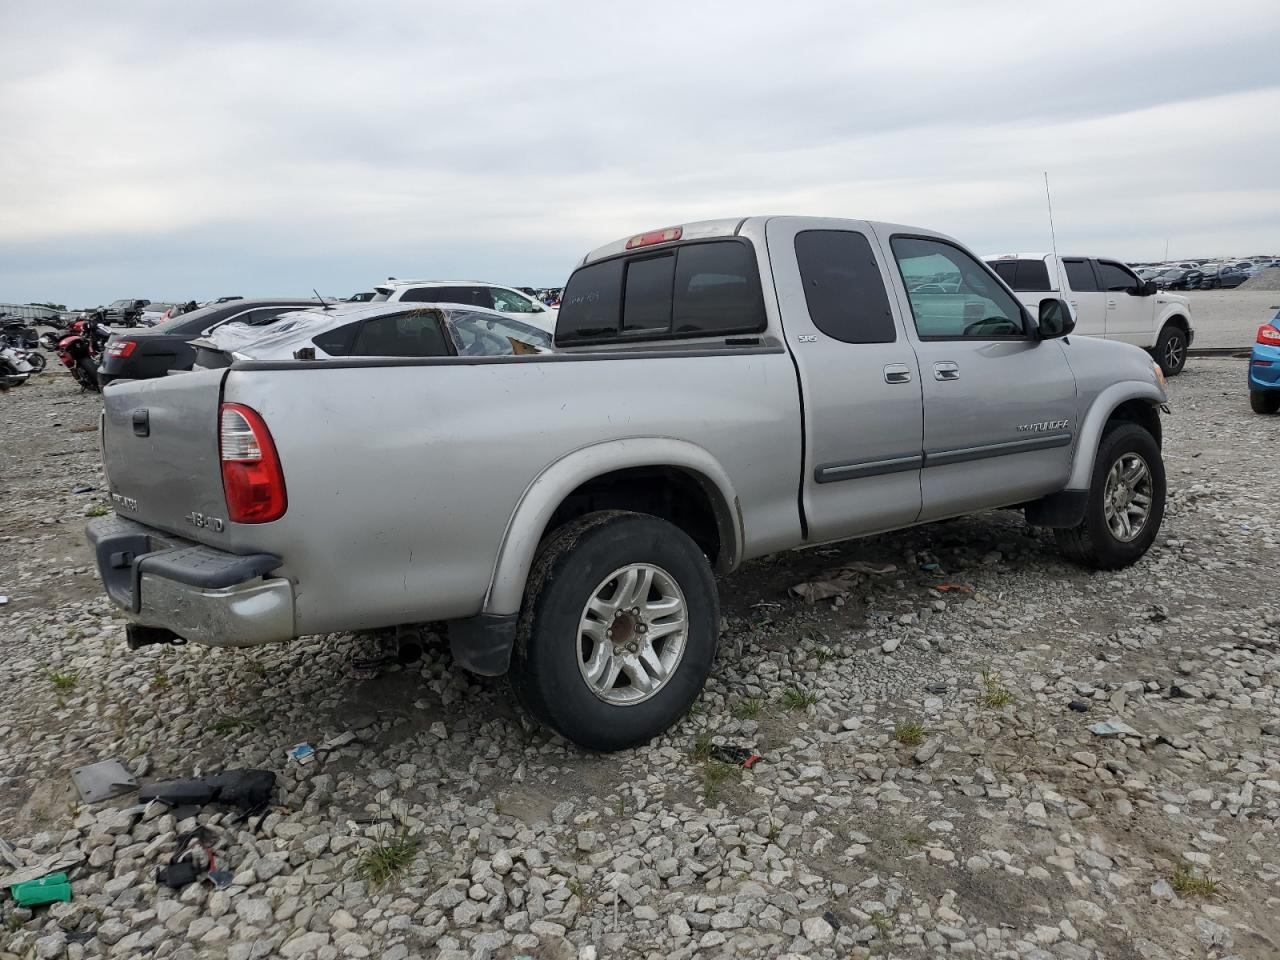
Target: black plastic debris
(1079,706)
(249,790)
(735,756)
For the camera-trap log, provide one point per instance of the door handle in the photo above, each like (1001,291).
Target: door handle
(946,370)
(897,373)
(1110,304)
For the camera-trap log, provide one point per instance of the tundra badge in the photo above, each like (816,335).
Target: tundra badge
(1044,426)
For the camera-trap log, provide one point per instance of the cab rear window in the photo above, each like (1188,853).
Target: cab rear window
(702,289)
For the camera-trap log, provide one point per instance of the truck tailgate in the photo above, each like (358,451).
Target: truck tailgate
(160,450)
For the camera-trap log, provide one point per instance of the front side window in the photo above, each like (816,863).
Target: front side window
(952,296)
(1080,276)
(509,302)
(413,334)
(1115,278)
(843,287)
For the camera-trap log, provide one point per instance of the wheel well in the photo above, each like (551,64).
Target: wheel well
(677,496)
(1179,321)
(1142,412)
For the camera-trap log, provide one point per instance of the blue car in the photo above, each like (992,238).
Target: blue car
(1264,368)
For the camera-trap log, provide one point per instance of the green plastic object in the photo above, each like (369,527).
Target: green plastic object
(34,893)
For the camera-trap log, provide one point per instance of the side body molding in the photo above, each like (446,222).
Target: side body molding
(546,492)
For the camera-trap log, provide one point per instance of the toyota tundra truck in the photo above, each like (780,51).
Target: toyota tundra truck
(719,391)
(1108,299)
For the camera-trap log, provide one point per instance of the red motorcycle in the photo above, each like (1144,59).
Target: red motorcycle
(81,350)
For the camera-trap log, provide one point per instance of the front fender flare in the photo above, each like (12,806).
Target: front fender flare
(529,520)
(1090,434)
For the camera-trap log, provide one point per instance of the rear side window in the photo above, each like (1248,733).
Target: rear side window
(1031,276)
(695,290)
(472,296)
(1080,276)
(843,287)
(415,334)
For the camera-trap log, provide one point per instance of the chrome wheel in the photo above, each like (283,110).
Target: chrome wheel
(1126,499)
(1174,352)
(632,634)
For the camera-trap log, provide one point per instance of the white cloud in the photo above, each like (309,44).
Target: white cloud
(256,147)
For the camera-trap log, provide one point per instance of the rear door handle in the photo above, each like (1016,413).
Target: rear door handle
(897,373)
(946,370)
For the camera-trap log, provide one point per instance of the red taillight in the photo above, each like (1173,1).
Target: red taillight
(1269,335)
(251,476)
(655,236)
(121,348)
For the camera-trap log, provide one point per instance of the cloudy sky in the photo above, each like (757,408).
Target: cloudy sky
(187,150)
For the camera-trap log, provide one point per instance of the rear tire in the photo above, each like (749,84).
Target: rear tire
(1095,542)
(37,361)
(1264,401)
(580,589)
(87,373)
(1171,350)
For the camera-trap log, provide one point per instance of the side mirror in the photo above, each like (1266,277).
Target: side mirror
(1056,319)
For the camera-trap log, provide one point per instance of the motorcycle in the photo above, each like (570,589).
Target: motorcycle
(81,350)
(15,333)
(14,368)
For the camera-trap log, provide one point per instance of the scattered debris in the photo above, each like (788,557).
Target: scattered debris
(735,756)
(84,488)
(839,581)
(337,742)
(103,780)
(302,753)
(248,789)
(52,864)
(53,888)
(1079,706)
(1114,727)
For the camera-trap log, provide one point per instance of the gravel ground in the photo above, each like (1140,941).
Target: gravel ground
(1229,318)
(1001,828)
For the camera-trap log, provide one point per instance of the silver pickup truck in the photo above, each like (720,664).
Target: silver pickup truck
(718,391)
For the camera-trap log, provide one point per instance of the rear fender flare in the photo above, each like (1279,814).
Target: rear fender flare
(548,490)
(1090,434)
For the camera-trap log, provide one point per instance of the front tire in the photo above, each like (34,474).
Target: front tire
(1171,350)
(37,361)
(618,630)
(1264,401)
(1126,502)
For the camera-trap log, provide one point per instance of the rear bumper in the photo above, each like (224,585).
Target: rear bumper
(1264,368)
(202,594)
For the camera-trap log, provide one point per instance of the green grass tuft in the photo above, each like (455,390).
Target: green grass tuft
(910,733)
(98,511)
(237,723)
(1187,882)
(747,709)
(62,681)
(388,859)
(994,693)
(717,775)
(796,698)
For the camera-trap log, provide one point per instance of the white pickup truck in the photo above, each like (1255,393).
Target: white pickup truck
(1109,301)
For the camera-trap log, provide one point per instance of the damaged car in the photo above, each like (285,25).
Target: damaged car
(374,330)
